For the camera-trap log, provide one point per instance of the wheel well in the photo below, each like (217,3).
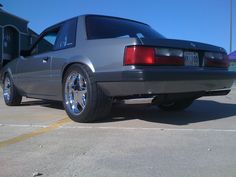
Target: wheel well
(67,67)
(4,75)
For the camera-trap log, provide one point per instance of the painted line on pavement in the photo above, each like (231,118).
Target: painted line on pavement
(143,128)
(37,132)
(122,128)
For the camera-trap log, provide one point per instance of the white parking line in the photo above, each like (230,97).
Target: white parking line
(146,128)
(123,128)
(19,125)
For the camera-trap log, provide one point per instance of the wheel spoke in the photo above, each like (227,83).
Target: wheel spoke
(74,107)
(81,99)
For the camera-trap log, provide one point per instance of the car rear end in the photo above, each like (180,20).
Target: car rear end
(159,66)
(171,69)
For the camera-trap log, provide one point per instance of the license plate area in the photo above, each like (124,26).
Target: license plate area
(191,59)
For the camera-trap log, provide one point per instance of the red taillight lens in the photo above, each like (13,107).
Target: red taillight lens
(216,60)
(138,55)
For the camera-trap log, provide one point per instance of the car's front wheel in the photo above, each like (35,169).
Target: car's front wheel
(10,94)
(83,99)
(175,105)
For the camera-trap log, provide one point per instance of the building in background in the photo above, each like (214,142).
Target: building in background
(14,36)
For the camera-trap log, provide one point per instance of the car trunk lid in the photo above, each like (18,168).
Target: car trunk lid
(181,44)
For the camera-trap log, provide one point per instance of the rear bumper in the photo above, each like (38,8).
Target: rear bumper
(164,81)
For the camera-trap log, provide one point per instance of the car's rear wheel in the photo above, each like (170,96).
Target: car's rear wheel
(175,105)
(10,93)
(83,99)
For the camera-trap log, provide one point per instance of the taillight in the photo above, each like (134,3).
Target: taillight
(140,55)
(213,59)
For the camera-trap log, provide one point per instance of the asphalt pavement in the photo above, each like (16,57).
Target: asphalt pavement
(136,140)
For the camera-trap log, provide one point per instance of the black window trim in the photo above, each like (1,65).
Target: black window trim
(42,35)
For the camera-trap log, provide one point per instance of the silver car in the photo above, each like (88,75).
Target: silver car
(89,61)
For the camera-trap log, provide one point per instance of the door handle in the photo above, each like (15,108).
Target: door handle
(45,60)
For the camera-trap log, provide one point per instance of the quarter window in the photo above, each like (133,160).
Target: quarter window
(67,36)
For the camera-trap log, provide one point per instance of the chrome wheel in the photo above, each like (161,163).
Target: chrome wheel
(7,89)
(75,93)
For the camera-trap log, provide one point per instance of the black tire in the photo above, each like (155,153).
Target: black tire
(11,98)
(98,105)
(175,105)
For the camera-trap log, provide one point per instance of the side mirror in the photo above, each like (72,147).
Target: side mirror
(24,53)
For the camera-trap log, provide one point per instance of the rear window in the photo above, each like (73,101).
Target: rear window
(107,27)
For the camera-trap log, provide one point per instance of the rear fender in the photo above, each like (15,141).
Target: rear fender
(82,60)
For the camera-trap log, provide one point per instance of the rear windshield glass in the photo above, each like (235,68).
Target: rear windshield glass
(107,27)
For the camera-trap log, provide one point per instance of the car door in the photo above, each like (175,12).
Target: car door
(33,72)
(64,45)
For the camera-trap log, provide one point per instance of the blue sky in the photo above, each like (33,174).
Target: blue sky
(198,20)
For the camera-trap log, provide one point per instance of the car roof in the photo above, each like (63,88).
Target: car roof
(92,15)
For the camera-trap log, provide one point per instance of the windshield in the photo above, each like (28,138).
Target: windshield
(99,27)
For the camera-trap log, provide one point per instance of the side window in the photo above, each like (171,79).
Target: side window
(67,36)
(46,43)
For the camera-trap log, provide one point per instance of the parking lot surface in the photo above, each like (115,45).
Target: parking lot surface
(37,138)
